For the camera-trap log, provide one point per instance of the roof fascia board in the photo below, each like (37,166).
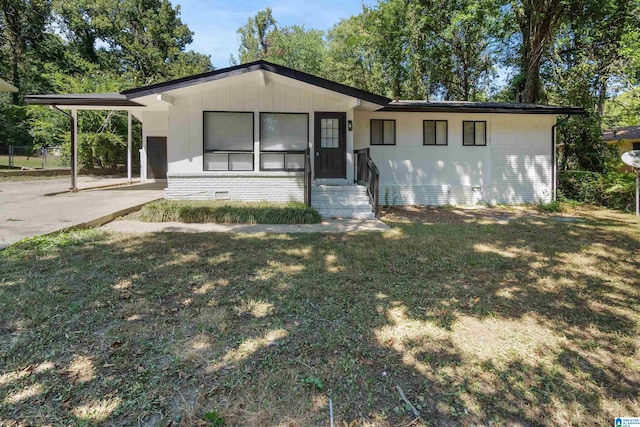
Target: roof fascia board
(466,109)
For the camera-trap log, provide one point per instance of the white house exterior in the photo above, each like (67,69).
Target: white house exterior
(242,133)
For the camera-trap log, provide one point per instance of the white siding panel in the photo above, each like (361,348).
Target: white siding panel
(318,102)
(236,98)
(265,98)
(514,167)
(250,96)
(178,141)
(306,100)
(291,99)
(209,101)
(222,98)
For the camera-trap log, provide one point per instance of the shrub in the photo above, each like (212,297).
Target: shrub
(228,212)
(613,189)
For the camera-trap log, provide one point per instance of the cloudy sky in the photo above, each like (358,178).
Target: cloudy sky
(215,22)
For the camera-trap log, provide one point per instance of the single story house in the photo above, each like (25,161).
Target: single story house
(625,139)
(261,131)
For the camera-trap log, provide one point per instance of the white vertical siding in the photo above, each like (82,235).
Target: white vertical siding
(514,166)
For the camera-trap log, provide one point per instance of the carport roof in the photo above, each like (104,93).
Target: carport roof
(113,99)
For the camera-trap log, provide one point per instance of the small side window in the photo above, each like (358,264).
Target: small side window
(474,133)
(383,132)
(434,132)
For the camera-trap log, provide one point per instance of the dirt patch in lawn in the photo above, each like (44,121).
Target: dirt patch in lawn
(480,320)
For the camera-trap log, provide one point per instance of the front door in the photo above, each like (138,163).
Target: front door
(330,145)
(156,157)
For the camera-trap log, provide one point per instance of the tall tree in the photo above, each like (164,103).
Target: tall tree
(294,46)
(254,35)
(537,21)
(452,47)
(22,26)
(351,58)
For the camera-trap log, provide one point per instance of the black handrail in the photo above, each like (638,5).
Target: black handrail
(367,174)
(307,177)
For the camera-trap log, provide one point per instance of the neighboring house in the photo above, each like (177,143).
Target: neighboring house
(7,87)
(261,131)
(625,139)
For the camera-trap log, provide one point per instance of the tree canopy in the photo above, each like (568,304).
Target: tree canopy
(571,52)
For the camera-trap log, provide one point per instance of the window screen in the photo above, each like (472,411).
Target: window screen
(284,138)
(228,141)
(228,131)
(284,132)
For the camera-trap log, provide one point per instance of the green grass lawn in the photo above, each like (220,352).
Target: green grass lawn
(491,316)
(31,162)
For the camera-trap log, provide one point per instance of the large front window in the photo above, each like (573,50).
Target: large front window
(284,137)
(228,141)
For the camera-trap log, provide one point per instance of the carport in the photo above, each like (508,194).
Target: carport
(89,101)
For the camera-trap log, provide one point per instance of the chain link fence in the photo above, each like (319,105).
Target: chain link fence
(22,157)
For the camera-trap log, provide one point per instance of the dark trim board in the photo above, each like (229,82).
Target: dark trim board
(478,107)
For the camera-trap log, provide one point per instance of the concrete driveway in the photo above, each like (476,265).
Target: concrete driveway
(27,208)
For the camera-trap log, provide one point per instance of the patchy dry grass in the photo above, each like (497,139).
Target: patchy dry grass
(501,316)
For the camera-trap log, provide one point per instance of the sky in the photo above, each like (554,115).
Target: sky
(215,22)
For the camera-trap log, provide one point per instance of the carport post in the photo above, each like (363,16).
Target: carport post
(74,151)
(129,146)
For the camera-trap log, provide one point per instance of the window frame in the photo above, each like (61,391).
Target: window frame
(474,133)
(395,132)
(283,152)
(206,151)
(435,129)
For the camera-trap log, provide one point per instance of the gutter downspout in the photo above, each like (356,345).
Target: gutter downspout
(74,162)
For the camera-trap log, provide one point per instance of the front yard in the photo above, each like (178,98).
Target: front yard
(480,316)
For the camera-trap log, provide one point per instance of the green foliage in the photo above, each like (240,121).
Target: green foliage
(13,125)
(228,212)
(314,382)
(294,46)
(44,245)
(612,189)
(103,150)
(552,207)
(581,146)
(214,419)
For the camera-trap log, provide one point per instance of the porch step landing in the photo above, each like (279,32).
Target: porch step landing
(341,201)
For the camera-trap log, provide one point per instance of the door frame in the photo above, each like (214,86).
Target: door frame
(342,138)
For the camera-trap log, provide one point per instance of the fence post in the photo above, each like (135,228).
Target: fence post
(11,156)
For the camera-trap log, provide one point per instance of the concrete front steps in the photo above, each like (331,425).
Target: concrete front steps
(341,201)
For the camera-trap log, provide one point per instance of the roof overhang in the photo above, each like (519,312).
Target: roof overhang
(479,107)
(80,100)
